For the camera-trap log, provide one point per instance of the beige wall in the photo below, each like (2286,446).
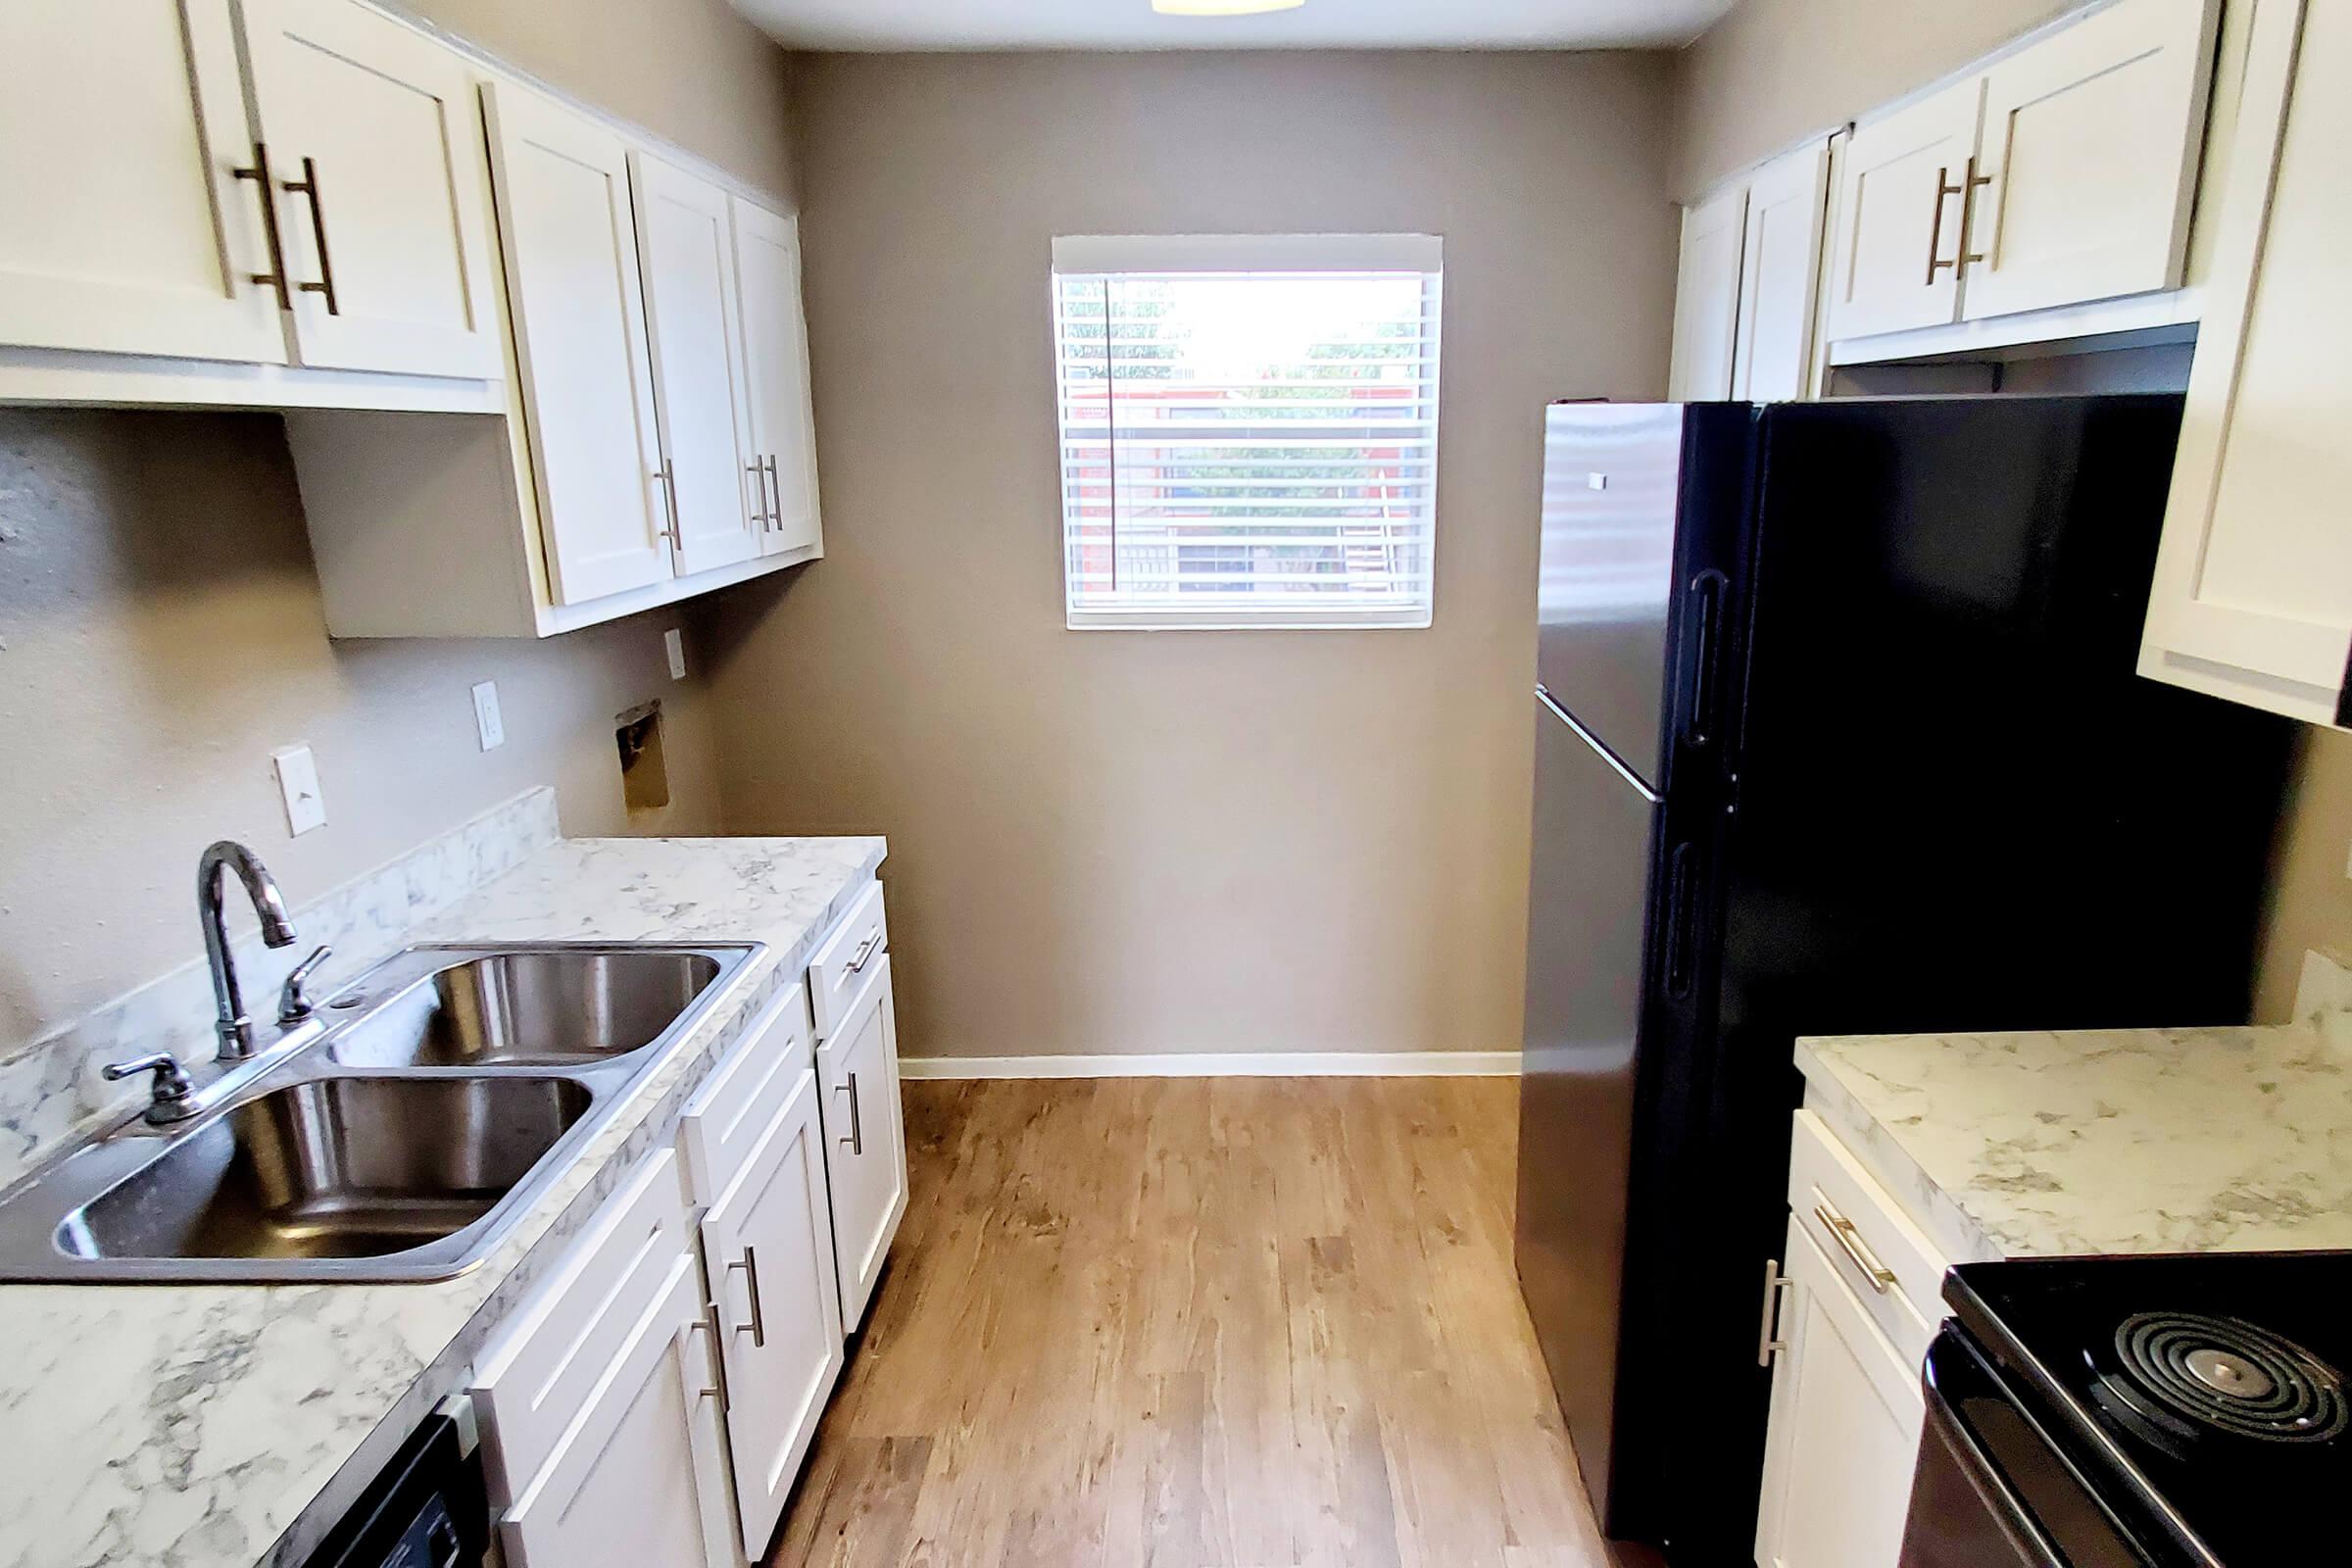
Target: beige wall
(2311,894)
(1773,71)
(691,71)
(1178,842)
(162,635)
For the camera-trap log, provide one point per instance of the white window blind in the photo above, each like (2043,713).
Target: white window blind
(1249,428)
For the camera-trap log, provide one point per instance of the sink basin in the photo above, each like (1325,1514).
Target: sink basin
(542,1006)
(398,1133)
(335,1168)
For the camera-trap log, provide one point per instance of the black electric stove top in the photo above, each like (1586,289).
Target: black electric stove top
(2207,1398)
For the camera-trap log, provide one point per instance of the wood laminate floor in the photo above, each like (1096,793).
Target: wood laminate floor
(1201,1323)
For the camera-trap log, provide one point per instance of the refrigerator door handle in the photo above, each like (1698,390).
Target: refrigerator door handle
(1706,594)
(1681,901)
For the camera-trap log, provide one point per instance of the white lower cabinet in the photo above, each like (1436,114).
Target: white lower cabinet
(768,1242)
(1849,1324)
(655,1399)
(865,1137)
(598,1404)
(1846,1409)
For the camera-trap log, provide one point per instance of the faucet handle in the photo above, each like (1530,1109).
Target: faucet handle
(292,1005)
(172,1097)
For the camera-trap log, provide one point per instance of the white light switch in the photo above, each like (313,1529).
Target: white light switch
(676,645)
(486,720)
(298,782)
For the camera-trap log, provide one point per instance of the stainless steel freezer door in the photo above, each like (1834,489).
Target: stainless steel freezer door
(1612,478)
(1587,899)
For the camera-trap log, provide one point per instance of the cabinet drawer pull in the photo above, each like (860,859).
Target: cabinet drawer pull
(857,1138)
(709,1324)
(1776,1285)
(307,185)
(1850,1242)
(864,955)
(749,1262)
(259,173)
(776,492)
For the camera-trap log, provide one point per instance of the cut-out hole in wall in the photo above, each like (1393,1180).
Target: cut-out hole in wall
(644,771)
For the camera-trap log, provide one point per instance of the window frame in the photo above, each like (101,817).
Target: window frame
(1339,255)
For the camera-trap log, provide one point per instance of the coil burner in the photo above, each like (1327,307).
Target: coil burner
(2225,1374)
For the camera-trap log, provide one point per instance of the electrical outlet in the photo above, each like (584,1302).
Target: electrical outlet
(674,644)
(298,784)
(486,720)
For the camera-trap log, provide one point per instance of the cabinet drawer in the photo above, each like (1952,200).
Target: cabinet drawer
(731,1112)
(842,963)
(539,1375)
(1895,1272)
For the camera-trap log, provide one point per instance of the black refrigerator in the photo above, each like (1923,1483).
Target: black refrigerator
(1837,732)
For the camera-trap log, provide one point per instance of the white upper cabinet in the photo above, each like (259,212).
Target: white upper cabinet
(779,426)
(1902,216)
(1779,276)
(1706,298)
(2253,592)
(128,231)
(374,142)
(570,250)
(2089,148)
(2061,174)
(685,249)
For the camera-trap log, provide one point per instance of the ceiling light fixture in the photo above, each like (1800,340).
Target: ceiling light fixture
(1222,8)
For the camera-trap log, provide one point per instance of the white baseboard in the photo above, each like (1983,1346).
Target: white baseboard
(1226,1064)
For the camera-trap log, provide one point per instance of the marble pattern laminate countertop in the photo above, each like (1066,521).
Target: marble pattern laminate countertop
(221,1426)
(2101,1141)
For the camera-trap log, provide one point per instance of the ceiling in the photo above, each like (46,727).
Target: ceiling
(929,24)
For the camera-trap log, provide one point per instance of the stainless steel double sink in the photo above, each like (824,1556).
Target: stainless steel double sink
(397,1135)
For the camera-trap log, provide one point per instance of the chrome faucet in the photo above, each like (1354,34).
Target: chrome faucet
(233,1025)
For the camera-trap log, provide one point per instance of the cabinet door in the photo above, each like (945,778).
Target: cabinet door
(2091,143)
(866,1140)
(638,1479)
(2253,591)
(775,354)
(375,143)
(1895,266)
(1779,276)
(570,250)
(686,254)
(127,228)
(768,1242)
(1706,298)
(1846,1410)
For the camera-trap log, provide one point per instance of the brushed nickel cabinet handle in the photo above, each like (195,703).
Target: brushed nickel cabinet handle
(1968,216)
(1775,1283)
(1944,189)
(1876,1275)
(865,953)
(307,185)
(709,1324)
(776,492)
(857,1138)
(759,489)
(259,173)
(666,477)
(749,1262)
